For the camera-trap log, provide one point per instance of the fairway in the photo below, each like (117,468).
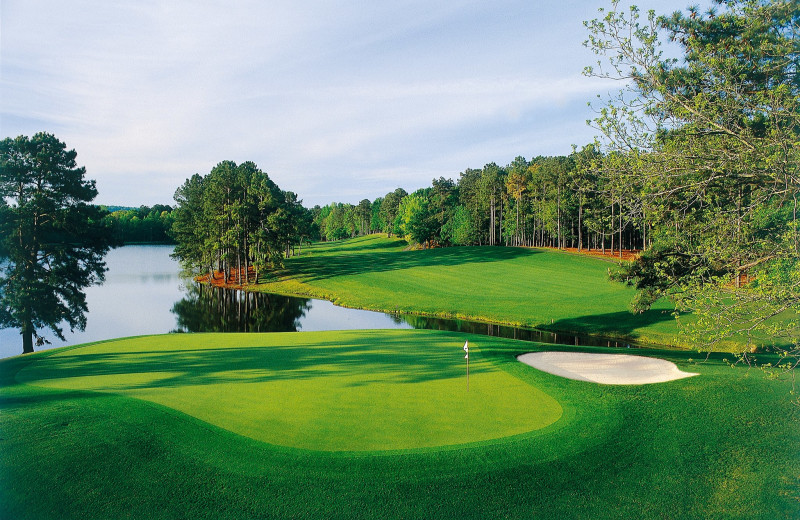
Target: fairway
(338,391)
(539,288)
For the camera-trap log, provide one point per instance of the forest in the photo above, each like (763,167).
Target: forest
(145,224)
(563,201)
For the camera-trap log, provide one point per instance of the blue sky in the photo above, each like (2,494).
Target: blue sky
(336,101)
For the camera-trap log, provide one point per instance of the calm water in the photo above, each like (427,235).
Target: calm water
(142,285)
(144,294)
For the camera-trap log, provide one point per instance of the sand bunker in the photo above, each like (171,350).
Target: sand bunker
(607,369)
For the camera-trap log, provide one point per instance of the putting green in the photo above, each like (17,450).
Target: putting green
(331,391)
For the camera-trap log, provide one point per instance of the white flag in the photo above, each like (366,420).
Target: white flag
(466,349)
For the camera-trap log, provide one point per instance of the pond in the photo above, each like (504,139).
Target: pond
(145,294)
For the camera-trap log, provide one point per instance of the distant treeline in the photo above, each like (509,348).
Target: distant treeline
(144,224)
(563,201)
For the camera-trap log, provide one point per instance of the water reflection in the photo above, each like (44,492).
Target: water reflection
(210,309)
(144,294)
(506,331)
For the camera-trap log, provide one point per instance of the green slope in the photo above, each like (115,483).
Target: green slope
(720,445)
(529,287)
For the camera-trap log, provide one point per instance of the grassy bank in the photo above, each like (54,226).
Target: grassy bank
(526,287)
(118,429)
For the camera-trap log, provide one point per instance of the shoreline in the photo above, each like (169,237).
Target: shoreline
(296,288)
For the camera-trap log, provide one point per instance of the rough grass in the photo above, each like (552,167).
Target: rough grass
(720,445)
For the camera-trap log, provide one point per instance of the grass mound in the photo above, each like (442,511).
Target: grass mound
(110,431)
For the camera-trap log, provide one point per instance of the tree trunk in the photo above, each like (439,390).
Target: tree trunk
(491,220)
(794,220)
(558,217)
(501,220)
(644,230)
(27,337)
(612,229)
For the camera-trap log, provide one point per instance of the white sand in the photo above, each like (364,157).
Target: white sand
(607,369)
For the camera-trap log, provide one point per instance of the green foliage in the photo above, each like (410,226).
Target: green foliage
(459,229)
(52,240)
(335,221)
(389,207)
(236,217)
(711,143)
(142,225)
(416,222)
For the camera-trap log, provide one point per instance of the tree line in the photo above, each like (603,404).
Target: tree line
(698,167)
(145,224)
(709,144)
(562,201)
(237,221)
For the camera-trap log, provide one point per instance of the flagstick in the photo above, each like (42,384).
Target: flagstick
(467,372)
(466,356)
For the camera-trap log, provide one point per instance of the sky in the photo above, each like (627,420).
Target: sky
(334,100)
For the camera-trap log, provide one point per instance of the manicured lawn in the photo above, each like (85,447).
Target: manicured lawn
(336,391)
(168,427)
(519,286)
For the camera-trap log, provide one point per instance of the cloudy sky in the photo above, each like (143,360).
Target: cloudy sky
(335,100)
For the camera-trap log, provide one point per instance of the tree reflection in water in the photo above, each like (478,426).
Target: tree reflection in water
(506,331)
(211,309)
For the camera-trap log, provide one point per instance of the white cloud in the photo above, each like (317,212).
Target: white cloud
(332,99)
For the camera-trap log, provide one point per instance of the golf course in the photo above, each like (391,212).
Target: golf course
(400,260)
(386,423)
(542,288)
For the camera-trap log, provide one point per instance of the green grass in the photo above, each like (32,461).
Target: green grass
(116,430)
(337,391)
(518,286)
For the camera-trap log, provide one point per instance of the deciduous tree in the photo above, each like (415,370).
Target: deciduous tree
(716,135)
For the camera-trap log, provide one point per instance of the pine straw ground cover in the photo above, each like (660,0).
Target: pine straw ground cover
(224,426)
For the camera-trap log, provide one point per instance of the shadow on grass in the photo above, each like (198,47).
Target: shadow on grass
(361,359)
(39,397)
(321,267)
(369,243)
(613,324)
(625,325)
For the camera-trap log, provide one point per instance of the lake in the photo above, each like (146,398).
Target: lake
(145,294)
